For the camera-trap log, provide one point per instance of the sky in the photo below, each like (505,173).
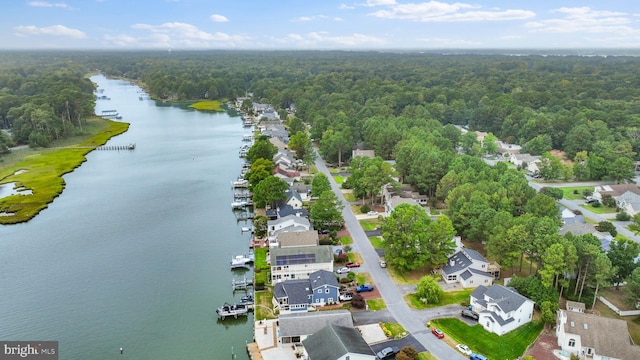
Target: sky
(319,24)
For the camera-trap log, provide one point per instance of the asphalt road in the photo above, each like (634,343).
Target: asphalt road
(412,320)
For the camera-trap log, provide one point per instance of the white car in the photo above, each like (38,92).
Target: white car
(342,270)
(464,349)
(345,297)
(372,213)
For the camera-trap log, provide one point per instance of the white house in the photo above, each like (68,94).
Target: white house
(531,162)
(468,268)
(294,327)
(629,202)
(288,223)
(615,190)
(501,309)
(298,262)
(594,337)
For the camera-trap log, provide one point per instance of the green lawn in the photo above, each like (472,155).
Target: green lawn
(376,241)
(339,179)
(263,307)
(393,329)
(376,304)
(489,344)
(599,210)
(449,297)
(569,195)
(345,240)
(207,105)
(369,224)
(349,196)
(261,258)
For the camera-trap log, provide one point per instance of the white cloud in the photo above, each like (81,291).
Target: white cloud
(584,20)
(323,40)
(177,34)
(435,11)
(308,18)
(371,3)
(345,7)
(47,4)
(120,40)
(54,30)
(218,18)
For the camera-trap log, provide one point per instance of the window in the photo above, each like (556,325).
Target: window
(326,291)
(319,291)
(572,342)
(451,278)
(486,281)
(471,282)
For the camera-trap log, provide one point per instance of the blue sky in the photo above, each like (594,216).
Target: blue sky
(318,24)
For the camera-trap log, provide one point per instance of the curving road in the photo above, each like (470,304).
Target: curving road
(413,321)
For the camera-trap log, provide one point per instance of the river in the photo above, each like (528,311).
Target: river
(135,252)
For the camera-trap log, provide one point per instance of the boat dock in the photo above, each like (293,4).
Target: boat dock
(243,284)
(235,310)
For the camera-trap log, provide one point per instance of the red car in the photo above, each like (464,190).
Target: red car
(438,333)
(352,264)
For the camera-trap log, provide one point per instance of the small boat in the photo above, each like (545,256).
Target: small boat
(242,261)
(245,229)
(239,204)
(234,310)
(118,117)
(247,137)
(240,183)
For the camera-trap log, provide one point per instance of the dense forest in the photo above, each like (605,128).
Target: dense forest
(404,106)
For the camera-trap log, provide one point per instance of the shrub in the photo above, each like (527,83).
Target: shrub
(608,200)
(575,191)
(326,241)
(358,301)
(555,193)
(365,209)
(351,276)
(409,351)
(606,226)
(623,216)
(587,192)
(596,204)
(577,212)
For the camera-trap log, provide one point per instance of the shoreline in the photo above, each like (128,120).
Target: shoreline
(42,172)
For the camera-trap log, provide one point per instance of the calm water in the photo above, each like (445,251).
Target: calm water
(135,252)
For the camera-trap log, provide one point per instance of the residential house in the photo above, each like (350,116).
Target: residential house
(297,238)
(240,100)
(567,216)
(299,262)
(507,149)
(480,135)
(302,189)
(594,337)
(392,199)
(575,306)
(284,210)
(501,309)
(259,108)
(294,327)
(468,268)
(288,223)
(526,161)
(580,228)
(282,171)
(629,202)
(337,343)
(320,289)
(361,152)
(615,190)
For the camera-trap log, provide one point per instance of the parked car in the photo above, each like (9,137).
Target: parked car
(343,289)
(438,333)
(372,213)
(387,352)
(383,264)
(470,314)
(364,287)
(246,299)
(477,357)
(346,297)
(342,270)
(464,349)
(352,264)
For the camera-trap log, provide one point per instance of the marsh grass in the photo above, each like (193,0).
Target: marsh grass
(41,170)
(207,105)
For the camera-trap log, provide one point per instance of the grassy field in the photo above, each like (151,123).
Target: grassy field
(393,329)
(489,344)
(346,240)
(619,298)
(599,210)
(569,195)
(339,179)
(376,304)
(376,241)
(41,170)
(207,105)
(263,306)
(369,224)
(449,297)
(349,196)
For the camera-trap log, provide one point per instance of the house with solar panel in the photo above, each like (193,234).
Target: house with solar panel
(469,269)
(320,289)
(297,263)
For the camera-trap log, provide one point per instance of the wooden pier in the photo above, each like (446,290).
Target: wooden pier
(243,284)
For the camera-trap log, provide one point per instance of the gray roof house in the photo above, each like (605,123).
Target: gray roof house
(594,337)
(294,263)
(468,268)
(336,342)
(297,238)
(629,201)
(297,326)
(501,309)
(320,289)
